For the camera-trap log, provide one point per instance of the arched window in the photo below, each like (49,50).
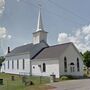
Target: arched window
(72,67)
(78,66)
(44,67)
(65,64)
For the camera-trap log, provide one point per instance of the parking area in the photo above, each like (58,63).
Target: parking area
(82,84)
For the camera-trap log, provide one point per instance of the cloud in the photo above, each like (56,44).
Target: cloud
(4,37)
(2,6)
(4,34)
(18,0)
(81,38)
(63,37)
(9,36)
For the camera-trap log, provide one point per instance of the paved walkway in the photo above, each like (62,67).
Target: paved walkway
(82,84)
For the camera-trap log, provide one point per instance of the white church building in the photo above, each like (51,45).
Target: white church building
(38,58)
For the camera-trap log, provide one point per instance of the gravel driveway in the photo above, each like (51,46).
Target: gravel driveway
(82,84)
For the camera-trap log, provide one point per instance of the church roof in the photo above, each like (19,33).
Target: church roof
(21,49)
(52,51)
(33,48)
(29,48)
(40,51)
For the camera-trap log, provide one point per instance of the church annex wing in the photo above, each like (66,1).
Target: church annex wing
(52,51)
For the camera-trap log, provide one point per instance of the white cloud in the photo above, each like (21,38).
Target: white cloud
(81,38)
(87,38)
(86,29)
(63,37)
(18,0)
(4,37)
(9,36)
(2,6)
(4,34)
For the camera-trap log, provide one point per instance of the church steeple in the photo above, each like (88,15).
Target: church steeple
(39,35)
(40,23)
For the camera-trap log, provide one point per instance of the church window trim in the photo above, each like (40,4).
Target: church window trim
(12,64)
(8,64)
(4,66)
(17,64)
(78,65)
(23,64)
(65,64)
(72,67)
(44,67)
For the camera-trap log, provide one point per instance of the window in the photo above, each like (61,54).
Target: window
(12,64)
(17,64)
(65,64)
(8,64)
(44,67)
(33,67)
(72,67)
(78,66)
(23,64)
(4,66)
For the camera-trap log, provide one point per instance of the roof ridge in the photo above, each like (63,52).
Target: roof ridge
(61,44)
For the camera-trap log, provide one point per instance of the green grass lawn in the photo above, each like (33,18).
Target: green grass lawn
(17,84)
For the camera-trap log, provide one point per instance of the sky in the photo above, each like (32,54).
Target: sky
(64,20)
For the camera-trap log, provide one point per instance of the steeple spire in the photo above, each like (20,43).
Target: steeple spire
(39,35)
(40,23)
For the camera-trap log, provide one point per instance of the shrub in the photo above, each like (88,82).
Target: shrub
(66,77)
(85,76)
(71,77)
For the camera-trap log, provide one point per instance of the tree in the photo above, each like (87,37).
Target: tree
(2,58)
(86,57)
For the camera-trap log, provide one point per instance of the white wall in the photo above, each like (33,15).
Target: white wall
(52,66)
(39,36)
(71,55)
(15,70)
(55,66)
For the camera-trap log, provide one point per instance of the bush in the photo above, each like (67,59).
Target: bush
(67,77)
(64,78)
(85,76)
(71,77)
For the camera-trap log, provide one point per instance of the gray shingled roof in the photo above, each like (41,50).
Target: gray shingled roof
(52,51)
(20,49)
(40,51)
(29,48)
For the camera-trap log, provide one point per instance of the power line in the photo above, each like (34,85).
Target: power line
(29,3)
(53,13)
(61,16)
(69,11)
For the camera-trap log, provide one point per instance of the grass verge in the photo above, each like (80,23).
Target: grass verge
(17,84)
